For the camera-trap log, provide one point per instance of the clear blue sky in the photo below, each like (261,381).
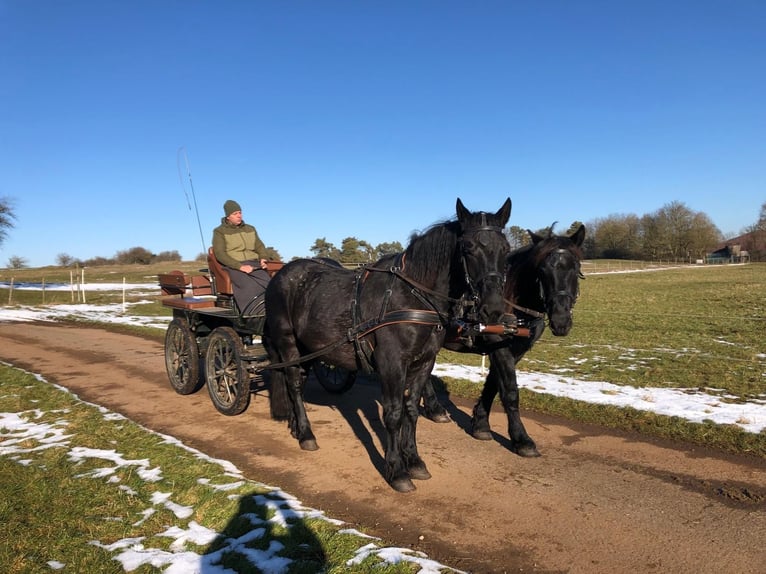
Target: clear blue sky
(330,119)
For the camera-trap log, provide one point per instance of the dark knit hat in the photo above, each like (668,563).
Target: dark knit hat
(230,207)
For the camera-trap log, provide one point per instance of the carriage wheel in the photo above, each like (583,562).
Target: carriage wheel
(334,379)
(182,357)
(228,381)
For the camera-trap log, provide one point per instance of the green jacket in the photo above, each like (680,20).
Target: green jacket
(233,244)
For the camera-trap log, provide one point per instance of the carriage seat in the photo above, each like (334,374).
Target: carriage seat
(221,276)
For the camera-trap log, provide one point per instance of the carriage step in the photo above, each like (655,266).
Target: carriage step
(255,352)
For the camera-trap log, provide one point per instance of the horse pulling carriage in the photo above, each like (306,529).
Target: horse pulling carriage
(447,289)
(210,342)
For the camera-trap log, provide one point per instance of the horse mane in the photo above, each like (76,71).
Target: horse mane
(432,249)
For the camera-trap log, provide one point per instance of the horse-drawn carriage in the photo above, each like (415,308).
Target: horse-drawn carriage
(211,342)
(457,285)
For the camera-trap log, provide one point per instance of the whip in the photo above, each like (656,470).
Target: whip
(182,151)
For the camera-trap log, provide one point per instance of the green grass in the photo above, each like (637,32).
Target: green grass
(696,328)
(692,327)
(58,506)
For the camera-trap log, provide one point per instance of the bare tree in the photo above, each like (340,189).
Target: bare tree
(7,216)
(64,259)
(678,233)
(617,237)
(16,262)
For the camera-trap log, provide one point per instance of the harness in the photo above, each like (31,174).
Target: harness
(462,320)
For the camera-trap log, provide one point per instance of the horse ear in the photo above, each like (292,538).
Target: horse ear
(504,213)
(462,212)
(578,236)
(535,237)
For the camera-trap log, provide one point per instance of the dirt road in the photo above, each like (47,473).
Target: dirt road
(596,501)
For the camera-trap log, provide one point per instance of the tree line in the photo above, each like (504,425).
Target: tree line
(672,233)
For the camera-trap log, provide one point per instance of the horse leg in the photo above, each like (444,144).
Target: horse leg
(412,461)
(396,471)
(504,361)
(300,427)
(480,428)
(432,408)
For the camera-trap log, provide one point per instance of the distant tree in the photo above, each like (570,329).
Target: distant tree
(323,248)
(756,240)
(617,237)
(134,255)
(353,251)
(97,262)
(272,254)
(368,252)
(64,259)
(383,249)
(167,256)
(7,216)
(201,257)
(517,236)
(759,225)
(702,237)
(677,233)
(16,262)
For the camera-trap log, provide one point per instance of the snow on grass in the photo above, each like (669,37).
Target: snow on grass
(695,406)
(22,435)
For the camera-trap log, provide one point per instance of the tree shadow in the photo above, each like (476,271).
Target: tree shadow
(266,534)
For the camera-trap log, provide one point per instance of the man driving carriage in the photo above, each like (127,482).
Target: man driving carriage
(238,248)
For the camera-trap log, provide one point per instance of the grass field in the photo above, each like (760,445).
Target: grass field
(85,490)
(689,327)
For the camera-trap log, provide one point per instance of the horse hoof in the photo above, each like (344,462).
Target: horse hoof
(527,451)
(482,435)
(439,418)
(309,444)
(402,485)
(419,472)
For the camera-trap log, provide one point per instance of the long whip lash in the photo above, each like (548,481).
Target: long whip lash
(181,150)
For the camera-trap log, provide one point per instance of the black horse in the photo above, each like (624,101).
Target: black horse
(390,318)
(542,281)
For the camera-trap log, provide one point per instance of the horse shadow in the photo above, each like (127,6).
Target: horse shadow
(458,416)
(360,407)
(266,532)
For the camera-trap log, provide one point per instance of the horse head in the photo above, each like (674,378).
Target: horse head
(558,273)
(483,252)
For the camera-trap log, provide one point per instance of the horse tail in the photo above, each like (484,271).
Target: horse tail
(279,399)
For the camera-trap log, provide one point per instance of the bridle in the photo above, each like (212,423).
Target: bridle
(547,298)
(493,274)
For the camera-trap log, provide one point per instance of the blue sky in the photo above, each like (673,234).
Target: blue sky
(330,119)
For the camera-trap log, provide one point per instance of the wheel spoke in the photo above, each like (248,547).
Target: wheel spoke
(227,379)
